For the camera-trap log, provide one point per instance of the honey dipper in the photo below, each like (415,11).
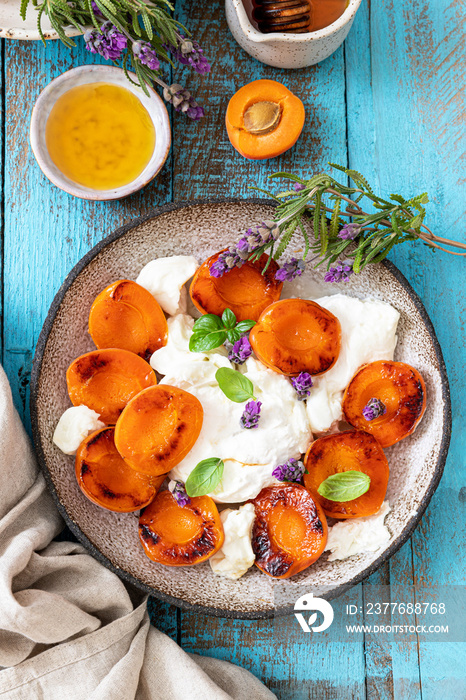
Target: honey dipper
(291,16)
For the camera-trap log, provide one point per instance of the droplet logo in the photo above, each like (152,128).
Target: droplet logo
(308,602)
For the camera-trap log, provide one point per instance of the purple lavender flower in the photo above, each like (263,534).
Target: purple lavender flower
(96,10)
(240,351)
(183,101)
(340,273)
(179,493)
(251,415)
(225,262)
(298,187)
(302,385)
(290,270)
(189,53)
(109,42)
(254,238)
(145,53)
(292,470)
(349,232)
(373,409)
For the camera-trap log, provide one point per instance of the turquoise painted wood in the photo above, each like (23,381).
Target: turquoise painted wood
(389,103)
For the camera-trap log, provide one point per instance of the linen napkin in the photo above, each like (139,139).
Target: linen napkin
(69,628)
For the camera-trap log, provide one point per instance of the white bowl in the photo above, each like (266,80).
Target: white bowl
(288,50)
(98,74)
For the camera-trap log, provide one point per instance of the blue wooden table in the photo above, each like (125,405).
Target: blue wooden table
(389,103)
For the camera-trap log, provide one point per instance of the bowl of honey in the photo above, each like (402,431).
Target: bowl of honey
(290,33)
(97,136)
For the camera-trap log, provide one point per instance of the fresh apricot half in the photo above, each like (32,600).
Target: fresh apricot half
(180,535)
(400,392)
(244,290)
(352,450)
(157,429)
(289,532)
(105,478)
(297,335)
(105,380)
(125,315)
(264,119)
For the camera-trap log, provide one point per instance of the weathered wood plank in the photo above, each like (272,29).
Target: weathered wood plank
(415,142)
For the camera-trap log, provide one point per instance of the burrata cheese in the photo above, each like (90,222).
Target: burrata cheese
(165,278)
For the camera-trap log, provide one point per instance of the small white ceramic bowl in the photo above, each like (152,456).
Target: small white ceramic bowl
(288,50)
(98,74)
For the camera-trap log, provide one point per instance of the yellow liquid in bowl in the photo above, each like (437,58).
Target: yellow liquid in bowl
(100,135)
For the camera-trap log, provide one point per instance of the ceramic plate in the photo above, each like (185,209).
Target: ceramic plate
(13,27)
(202,228)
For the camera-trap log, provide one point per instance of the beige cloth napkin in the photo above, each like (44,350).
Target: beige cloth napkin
(68,626)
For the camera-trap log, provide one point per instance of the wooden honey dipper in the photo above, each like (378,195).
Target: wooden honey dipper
(291,16)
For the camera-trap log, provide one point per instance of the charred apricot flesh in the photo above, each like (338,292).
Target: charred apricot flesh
(297,335)
(180,535)
(401,390)
(244,290)
(106,479)
(157,429)
(105,380)
(352,450)
(125,315)
(289,532)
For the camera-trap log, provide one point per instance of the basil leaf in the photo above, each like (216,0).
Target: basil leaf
(345,486)
(207,324)
(233,335)
(229,318)
(204,477)
(204,343)
(234,385)
(245,326)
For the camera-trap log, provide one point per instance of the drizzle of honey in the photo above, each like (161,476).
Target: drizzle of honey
(100,135)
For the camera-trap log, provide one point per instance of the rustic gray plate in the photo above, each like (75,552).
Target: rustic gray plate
(201,228)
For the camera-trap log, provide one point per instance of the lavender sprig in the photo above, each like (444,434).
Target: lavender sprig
(345,248)
(290,270)
(373,409)
(178,490)
(189,53)
(292,470)
(249,247)
(183,101)
(240,351)
(251,415)
(108,42)
(302,384)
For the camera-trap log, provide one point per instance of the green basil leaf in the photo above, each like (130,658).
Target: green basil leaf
(229,318)
(204,343)
(233,335)
(204,477)
(207,324)
(245,326)
(234,385)
(345,486)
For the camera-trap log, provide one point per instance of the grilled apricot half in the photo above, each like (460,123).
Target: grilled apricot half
(297,335)
(352,450)
(180,535)
(244,290)
(125,315)
(289,532)
(105,478)
(401,390)
(105,380)
(157,429)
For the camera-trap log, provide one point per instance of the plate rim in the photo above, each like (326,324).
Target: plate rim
(96,553)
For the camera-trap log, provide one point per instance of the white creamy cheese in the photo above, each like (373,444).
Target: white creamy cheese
(358,535)
(235,557)
(368,334)
(251,455)
(164,278)
(74,425)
